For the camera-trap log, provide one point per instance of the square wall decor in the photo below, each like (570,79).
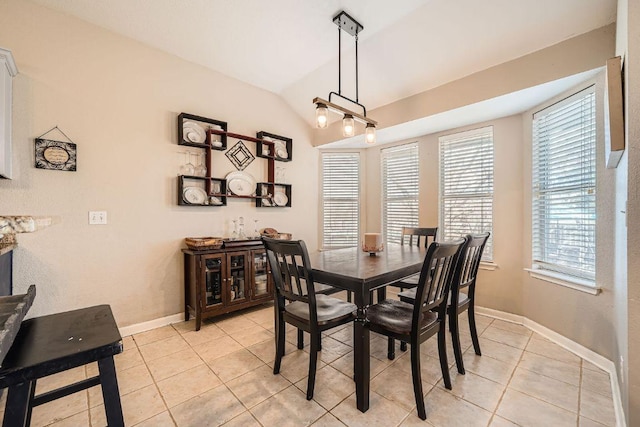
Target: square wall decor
(240,156)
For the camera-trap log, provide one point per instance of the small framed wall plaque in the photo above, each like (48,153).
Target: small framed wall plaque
(56,155)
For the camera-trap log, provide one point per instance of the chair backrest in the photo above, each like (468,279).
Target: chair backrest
(427,235)
(469,263)
(437,275)
(291,271)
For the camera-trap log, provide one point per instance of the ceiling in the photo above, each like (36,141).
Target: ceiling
(290,47)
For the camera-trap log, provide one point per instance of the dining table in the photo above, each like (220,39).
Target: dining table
(361,273)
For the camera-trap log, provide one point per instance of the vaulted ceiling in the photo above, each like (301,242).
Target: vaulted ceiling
(290,47)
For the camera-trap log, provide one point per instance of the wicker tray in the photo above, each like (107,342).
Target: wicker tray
(202,243)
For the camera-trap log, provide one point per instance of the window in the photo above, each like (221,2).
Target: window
(340,200)
(564,184)
(399,190)
(466,186)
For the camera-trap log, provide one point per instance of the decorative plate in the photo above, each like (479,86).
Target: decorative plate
(280,199)
(281,149)
(194,195)
(241,183)
(193,132)
(216,201)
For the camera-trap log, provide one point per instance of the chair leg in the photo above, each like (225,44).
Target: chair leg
(391,349)
(403,346)
(280,333)
(19,404)
(417,380)
(110,393)
(300,339)
(455,339)
(474,332)
(313,361)
(442,352)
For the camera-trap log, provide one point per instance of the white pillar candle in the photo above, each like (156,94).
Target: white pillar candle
(372,242)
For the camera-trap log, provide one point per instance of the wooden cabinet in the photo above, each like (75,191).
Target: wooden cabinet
(8,70)
(220,281)
(211,135)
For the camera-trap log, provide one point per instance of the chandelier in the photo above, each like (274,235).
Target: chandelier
(352,27)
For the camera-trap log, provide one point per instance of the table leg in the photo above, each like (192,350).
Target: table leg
(110,394)
(18,407)
(361,351)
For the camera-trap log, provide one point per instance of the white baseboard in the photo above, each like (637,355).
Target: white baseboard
(577,349)
(151,324)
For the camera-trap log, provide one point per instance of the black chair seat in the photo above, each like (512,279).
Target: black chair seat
(409,296)
(396,316)
(328,309)
(409,282)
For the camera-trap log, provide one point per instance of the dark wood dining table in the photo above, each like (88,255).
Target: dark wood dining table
(356,271)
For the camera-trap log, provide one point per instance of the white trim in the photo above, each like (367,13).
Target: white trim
(564,280)
(5,54)
(572,346)
(151,324)
(488,265)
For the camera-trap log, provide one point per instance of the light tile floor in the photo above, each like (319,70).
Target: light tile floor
(222,375)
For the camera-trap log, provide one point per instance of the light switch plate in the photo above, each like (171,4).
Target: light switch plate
(97,217)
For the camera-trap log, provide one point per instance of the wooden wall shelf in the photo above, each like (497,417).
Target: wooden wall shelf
(272,147)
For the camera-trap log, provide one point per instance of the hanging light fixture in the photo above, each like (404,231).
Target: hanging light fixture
(351,26)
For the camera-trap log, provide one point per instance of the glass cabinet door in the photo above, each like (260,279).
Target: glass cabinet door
(261,288)
(238,264)
(213,279)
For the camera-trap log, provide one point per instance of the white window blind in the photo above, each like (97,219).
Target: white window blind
(400,179)
(340,200)
(466,186)
(564,186)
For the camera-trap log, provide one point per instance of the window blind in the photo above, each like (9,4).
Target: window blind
(564,186)
(400,177)
(340,200)
(466,186)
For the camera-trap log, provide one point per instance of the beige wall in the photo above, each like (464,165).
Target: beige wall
(119,101)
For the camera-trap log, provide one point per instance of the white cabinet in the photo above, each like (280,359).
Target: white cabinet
(7,71)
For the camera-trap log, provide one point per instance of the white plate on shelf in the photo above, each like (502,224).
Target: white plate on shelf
(280,199)
(194,195)
(216,201)
(241,183)
(282,153)
(193,132)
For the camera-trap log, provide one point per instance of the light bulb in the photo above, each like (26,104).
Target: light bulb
(370,133)
(348,125)
(322,116)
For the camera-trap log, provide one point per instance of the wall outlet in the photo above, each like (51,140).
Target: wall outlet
(97,217)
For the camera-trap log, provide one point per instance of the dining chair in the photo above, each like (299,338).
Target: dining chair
(297,302)
(417,322)
(417,235)
(462,294)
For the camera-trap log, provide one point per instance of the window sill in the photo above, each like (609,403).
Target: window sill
(565,280)
(488,265)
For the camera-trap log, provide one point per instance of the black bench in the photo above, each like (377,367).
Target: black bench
(50,344)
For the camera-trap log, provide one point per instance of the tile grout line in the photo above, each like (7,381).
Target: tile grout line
(494,414)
